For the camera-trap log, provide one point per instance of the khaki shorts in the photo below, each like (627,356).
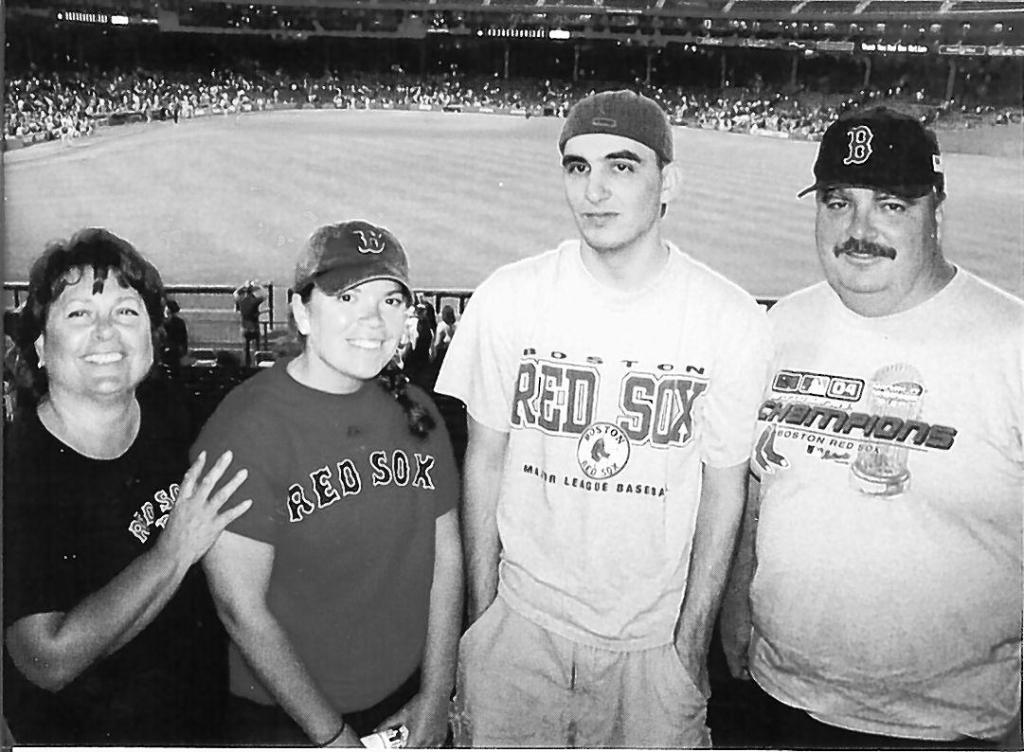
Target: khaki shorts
(520,685)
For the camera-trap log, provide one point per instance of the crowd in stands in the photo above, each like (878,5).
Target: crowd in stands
(50,106)
(428,338)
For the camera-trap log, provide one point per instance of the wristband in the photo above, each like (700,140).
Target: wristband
(337,736)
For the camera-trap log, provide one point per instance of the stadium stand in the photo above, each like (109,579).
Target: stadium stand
(759,7)
(983,6)
(636,4)
(930,7)
(72,104)
(830,7)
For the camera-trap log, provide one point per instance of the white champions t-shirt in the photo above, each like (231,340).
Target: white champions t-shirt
(888,592)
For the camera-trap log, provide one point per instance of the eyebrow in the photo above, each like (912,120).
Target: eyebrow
(397,287)
(625,154)
(632,156)
(878,195)
(82,297)
(885,195)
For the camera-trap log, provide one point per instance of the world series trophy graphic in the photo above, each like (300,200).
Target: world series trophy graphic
(880,468)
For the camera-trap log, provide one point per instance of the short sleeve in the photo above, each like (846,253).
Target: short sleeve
(240,430)
(741,371)
(480,366)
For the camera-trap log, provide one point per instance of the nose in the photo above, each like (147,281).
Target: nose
(103,328)
(597,186)
(861,226)
(371,313)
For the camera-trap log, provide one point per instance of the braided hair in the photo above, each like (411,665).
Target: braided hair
(394,381)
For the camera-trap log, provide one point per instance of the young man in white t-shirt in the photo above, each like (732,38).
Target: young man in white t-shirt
(883,606)
(611,386)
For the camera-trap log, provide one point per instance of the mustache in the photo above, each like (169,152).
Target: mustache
(853,245)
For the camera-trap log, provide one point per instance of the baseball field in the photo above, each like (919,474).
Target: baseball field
(221,199)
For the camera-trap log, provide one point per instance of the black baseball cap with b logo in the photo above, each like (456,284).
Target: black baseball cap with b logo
(879,149)
(340,256)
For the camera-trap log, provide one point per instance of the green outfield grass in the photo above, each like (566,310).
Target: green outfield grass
(223,199)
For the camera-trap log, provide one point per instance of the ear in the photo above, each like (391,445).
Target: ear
(300,313)
(671,182)
(939,215)
(40,345)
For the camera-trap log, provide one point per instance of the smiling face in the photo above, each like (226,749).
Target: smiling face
(97,342)
(615,189)
(350,335)
(880,252)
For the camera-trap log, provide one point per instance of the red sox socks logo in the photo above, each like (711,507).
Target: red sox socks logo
(602,451)
(370,241)
(860,145)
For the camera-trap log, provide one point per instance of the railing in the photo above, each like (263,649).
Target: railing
(440,298)
(216,325)
(208,309)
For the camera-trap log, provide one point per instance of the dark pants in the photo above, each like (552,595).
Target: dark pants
(252,344)
(252,724)
(791,728)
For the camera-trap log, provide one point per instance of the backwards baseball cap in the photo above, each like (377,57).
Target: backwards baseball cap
(880,149)
(340,256)
(621,113)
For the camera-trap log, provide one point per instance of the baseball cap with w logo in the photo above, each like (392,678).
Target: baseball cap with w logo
(340,256)
(881,149)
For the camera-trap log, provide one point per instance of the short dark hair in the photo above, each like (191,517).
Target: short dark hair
(90,248)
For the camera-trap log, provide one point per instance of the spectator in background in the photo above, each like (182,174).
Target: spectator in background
(611,387)
(408,339)
(10,362)
(248,299)
(175,337)
(342,591)
(876,596)
(419,355)
(109,633)
(445,332)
